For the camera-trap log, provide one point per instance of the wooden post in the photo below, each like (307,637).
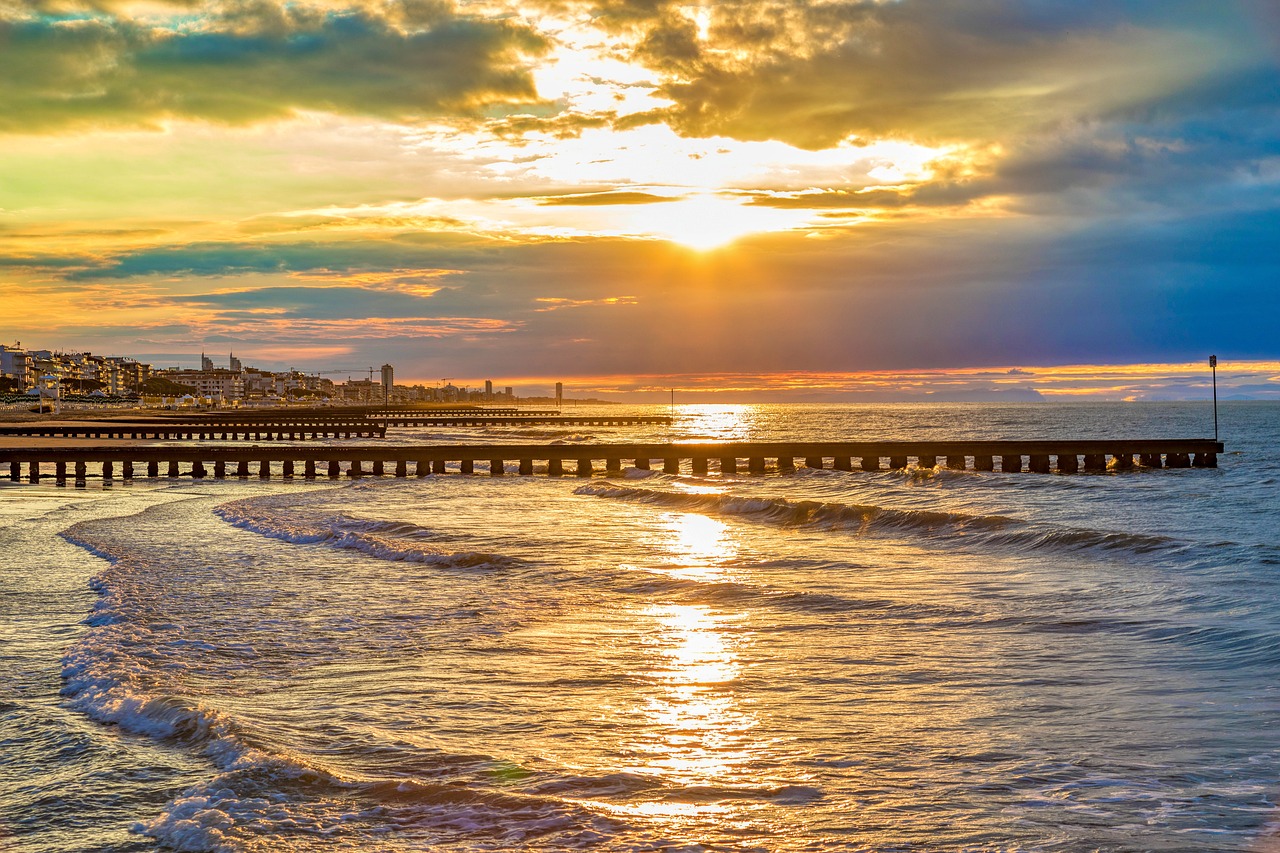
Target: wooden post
(354,470)
(728,465)
(422,468)
(897,463)
(377,468)
(60,473)
(1039,463)
(1124,461)
(555,467)
(126,469)
(81,471)
(984,463)
(467,466)
(584,468)
(335,469)
(242,468)
(153,469)
(1068,463)
(816,461)
(497,467)
(437,466)
(1011,463)
(1206,460)
(264,470)
(15,471)
(286,469)
(870,463)
(926,462)
(613,465)
(33,471)
(956,463)
(755,464)
(309,469)
(402,468)
(526,467)
(197,470)
(1151,460)
(642,464)
(173,469)
(1095,462)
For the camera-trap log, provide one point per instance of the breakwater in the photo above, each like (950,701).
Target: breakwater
(309,461)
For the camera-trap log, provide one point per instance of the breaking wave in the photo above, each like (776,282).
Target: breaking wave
(866,519)
(385,540)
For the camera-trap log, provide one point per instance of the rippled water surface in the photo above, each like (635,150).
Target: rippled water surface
(818,660)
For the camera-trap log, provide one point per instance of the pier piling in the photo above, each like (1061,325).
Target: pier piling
(1066,457)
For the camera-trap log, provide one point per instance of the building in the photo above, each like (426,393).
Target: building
(388,382)
(130,374)
(235,363)
(206,363)
(17,364)
(217,384)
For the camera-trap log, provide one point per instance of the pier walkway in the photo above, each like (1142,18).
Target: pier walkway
(521,418)
(202,429)
(311,461)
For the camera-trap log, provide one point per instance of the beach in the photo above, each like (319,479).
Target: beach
(813,660)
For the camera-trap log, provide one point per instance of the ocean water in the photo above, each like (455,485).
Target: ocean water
(821,660)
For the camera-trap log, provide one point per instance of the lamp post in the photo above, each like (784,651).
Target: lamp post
(1213,365)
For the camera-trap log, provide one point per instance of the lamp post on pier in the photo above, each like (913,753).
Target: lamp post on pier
(1213,365)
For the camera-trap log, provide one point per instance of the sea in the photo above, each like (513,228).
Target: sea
(918,660)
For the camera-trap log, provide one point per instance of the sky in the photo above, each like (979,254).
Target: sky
(750,199)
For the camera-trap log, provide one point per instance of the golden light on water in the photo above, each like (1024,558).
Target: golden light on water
(701,545)
(725,422)
(697,731)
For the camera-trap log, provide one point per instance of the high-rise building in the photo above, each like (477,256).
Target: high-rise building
(559,395)
(488,389)
(388,380)
(206,363)
(235,363)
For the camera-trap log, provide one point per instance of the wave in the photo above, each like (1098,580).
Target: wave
(384,540)
(867,519)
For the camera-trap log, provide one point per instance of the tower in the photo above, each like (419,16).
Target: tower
(388,379)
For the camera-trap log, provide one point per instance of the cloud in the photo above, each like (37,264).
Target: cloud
(943,70)
(256,61)
(604,198)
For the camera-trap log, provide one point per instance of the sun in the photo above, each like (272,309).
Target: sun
(706,222)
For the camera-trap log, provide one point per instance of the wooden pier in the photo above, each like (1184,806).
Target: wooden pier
(313,461)
(203,429)
(483,419)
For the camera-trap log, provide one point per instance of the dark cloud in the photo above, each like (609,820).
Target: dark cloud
(428,252)
(257,61)
(352,303)
(604,198)
(931,70)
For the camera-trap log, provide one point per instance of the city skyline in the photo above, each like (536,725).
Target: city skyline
(741,200)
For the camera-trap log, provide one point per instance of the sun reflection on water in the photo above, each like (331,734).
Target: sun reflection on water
(701,546)
(703,422)
(697,733)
